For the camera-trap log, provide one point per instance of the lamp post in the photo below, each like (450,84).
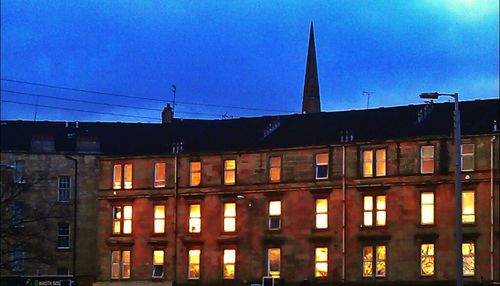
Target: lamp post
(458,181)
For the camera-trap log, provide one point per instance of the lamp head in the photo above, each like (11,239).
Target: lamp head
(429,95)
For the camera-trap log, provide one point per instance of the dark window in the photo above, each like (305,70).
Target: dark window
(63,235)
(64,186)
(19,178)
(17,214)
(17,264)
(62,271)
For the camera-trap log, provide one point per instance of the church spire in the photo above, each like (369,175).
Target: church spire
(310,100)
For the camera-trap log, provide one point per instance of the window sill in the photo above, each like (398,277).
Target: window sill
(120,240)
(228,239)
(158,241)
(63,248)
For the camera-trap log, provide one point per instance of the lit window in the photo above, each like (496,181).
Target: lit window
(321,213)
(120,264)
(229,217)
(275,169)
(118,177)
(467,157)
(63,235)
(159,223)
(229,172)
(427,208)
(321,262)
(369,265)
(194,264)
(195,174)
(63,188)
(468,252)
(468,213)
(158,262)
(160,174)
(274,262)
(427,159)
(122,220)
(274,215)
(229,261)
(195,218)
(375,213)
(322,166)
(427,259)
(380,163)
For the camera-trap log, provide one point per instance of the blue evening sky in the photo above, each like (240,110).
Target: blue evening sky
(241,53)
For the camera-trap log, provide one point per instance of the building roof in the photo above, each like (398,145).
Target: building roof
(297,130)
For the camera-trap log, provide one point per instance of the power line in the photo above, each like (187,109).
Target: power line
(106,104)
(140,97)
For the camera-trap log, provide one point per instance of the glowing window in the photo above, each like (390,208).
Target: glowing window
(159,220)
(128,176)
(160,174)
(274,215)
(158,262)
(194,264)
(274,262)
(427,208)
(468,254)
(377,266)
(380,261)
(122,220)
(368,261)
(195,174)
(117,176)
(380,163)
(468,213)
(427,259)
(321,262)
(275,169)
(427,159)
(229,261)
(229,217)
(322,166)
(127,219)
(373,212)
(368,163)
(321,213)
(120,264)
(195,218)
(380,158)
(467,157)
(229,172)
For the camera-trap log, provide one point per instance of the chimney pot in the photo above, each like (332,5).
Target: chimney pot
(167,114)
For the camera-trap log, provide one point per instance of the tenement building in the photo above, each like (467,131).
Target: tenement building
(362,196)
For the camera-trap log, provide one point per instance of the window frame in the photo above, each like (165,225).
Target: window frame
(271,168)
(316,261)
(317,214)
(122,220)
(268,256)
(474,245)
(62,236)
(274,216)
(374,211)
(189,264)
(473,207)
(61,190)
(123,174)
(422,256)
(318,165)
(20,171)
(121,264)
(158,183)
(191,172)
(423,158)
(374,162)
(422,207)
(473,155)
(224,217)
(224,263)
(18,256)
(374,260)
(158,264)
(159,219)
(224,178)
(194,218)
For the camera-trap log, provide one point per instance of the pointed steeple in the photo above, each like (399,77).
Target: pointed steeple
(310,100)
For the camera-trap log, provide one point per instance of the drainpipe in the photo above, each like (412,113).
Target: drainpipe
(176,186)
(343,213)
(75,206)
(491,207)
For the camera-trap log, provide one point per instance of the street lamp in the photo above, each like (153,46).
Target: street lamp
(458,181)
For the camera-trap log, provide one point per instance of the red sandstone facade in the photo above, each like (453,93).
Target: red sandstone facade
(347,238)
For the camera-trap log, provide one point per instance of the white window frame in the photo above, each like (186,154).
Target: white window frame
(318,164)
(274,216)
(62,189)
(160,183)
(422,256)
(462,155)
(61,236)
(269,262)
(427,158)
(162,264)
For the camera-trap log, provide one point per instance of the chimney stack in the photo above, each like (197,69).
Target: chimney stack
(167,114)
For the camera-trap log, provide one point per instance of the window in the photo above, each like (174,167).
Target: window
(194,264)
(17,264)
(427,159)
(274,262)
(122,220)
(63,235)
(120,264)
(229,172)
(468,254)
(18,214)
(63,190)
(427,259)
(229,261)
(467,157)
(468,212)
(322,166)
(195,174)
(321,213)
(321,262)
(19,175)
(158,262)
(375,213)
(160,174)
(380,163)
(119,180)
(159,223)
(62,271)
(427,208)
(369,265)
(274,215)
(195,218)
(229,217)
(275,169)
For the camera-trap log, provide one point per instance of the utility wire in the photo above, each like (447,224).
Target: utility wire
(140,97)
(106,104)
